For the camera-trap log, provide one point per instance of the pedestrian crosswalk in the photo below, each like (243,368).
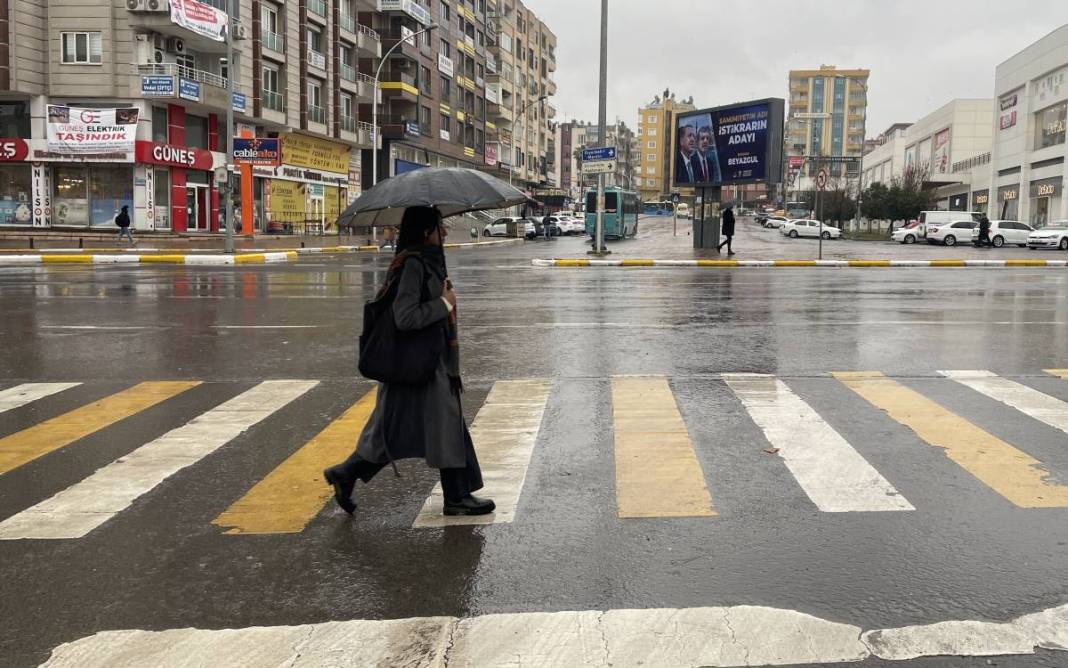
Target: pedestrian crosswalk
(663,465)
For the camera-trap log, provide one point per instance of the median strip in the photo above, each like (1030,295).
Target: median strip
(947,263)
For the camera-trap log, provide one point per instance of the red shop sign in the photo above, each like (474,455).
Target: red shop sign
(13,150)
(175,156)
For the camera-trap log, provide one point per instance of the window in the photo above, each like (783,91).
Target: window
(347,106)
(446,12)
(81,48)
(650,157)
(444,48)
(270,79)
(652,132)
(424,120)
(315,40)
(424,80)
(445,123)
(196,131)
(269,19)
(480,140)
(1050,126)
(14,119)
(316,113)
(160,132)
(446,90)
(650,119)
(161,182)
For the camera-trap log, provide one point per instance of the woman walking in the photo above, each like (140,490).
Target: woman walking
(424,421)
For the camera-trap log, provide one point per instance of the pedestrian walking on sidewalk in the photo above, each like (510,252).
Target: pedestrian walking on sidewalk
(425,420)
(727,229)
(984,232)
(123,221)
(388,235)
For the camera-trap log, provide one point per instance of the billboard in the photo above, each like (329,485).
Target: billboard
(257,151)
(197,17)
(74,130)
(940,154)
(737,143)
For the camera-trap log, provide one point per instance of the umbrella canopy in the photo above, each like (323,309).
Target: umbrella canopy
(453,190)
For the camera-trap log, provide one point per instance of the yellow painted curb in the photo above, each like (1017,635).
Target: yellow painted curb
(572,263)
(637,263)
(717,263)
(795,263)
(1025,263)
(251,258)
(869,263)
(67,259)
(162,259)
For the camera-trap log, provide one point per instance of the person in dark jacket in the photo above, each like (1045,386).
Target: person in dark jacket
(727,230)
(420,421)
(984,232)
(123,221)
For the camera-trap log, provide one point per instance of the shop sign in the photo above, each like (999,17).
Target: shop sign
(188,90)
(240,103)
(1046,187)
(257,151)
(1008,102)
(445,65)
(174,156)
(302,175)
(314,153)
(316,189)
(1050,87)
(445,134)
(77,131)
(411,128)
(42,195)
(13,150)
(1008,120)
(1008,193)
(157,86)
(981,197)
(491,154)
(199,18)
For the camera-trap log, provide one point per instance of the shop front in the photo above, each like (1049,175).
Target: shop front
(307,192)
(1008,202)
(981,201)
(1046,197)
(958,202)
(16,183)
(175,188)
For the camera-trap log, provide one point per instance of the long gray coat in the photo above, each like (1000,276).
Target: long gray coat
(418,420)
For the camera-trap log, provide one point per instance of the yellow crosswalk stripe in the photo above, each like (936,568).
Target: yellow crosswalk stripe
(294,493)
(39,440)
(1060,373)
(1011,473)
(657,472)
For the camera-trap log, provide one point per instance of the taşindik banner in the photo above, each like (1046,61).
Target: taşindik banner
(739,143)
(78,131)
(202,19)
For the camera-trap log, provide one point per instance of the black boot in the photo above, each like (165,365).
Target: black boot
(470,505)
(342,485)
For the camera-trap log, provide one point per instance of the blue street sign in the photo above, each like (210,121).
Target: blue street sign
(188,90)
(157,86)
(599,154)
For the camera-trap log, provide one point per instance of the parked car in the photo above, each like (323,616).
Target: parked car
(948,234)
(929,219)
(1054,235)
(761,218)
(909,234)
(806,227)
(1006,232)
(499,227)
(683,210)
(774,222)
(570,224)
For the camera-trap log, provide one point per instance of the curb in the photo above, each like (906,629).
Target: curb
(731,264)
(204,258)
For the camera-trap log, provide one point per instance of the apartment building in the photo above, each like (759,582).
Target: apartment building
(578,135)
(519,87)
(656,132)
(303,73)
(826,118)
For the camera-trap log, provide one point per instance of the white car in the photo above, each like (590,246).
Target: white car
(805,227)
(570,224)
(1054,235)
(909,234)
(950,234)
(1006,232)
(774,222)
(499,227)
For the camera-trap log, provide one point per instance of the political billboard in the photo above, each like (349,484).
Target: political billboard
(737,143)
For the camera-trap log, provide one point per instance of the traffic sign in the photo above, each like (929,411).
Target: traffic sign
(598,154)
(675,197)
(599,167)
(821,179)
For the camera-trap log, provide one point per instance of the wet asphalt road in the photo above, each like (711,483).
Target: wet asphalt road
(964,553)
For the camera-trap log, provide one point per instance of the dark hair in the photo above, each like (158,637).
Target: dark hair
(682,133)
(417,223)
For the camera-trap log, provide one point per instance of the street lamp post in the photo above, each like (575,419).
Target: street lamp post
(231,73)
(374,108)
(523,123)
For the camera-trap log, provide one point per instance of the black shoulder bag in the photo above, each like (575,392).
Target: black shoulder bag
(390,355)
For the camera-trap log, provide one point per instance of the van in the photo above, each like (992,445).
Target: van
(938,218)
(683,209)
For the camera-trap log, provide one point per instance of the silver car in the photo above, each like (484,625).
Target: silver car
(1054,235)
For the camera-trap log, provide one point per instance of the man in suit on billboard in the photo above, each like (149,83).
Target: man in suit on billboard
(685,169)
(706,159)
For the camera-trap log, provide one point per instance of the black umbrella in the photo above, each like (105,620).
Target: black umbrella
(453,190)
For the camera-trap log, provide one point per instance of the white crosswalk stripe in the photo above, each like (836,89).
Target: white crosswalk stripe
(20,395)
(833,475)
(1027,400)
(504,432)
(79,509)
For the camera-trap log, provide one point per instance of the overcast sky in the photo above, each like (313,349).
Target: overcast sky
(921,53)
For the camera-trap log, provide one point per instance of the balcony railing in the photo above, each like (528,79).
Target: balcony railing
(365,127)
(273,100)
(171,69)
(274,41)
(316,114)
(348,22)
(317,7)
(369,33)
(348,123)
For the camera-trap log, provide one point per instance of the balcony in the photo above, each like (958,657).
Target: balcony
(274,42)
(409,8)
(160,22)
(317,7)
(368,41)
(357,82)
(317,60)
(273,100)
(399,127)
(399,86)
(408,48)
(348,22)
(186,83)
(551,60)
(316,114)
(348,123)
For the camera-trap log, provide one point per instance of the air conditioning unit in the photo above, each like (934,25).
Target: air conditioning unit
(239,32)
(147,5)
(175,45)
(160,57)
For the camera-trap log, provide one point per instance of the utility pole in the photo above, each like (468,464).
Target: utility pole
(602,115)
(231,72)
